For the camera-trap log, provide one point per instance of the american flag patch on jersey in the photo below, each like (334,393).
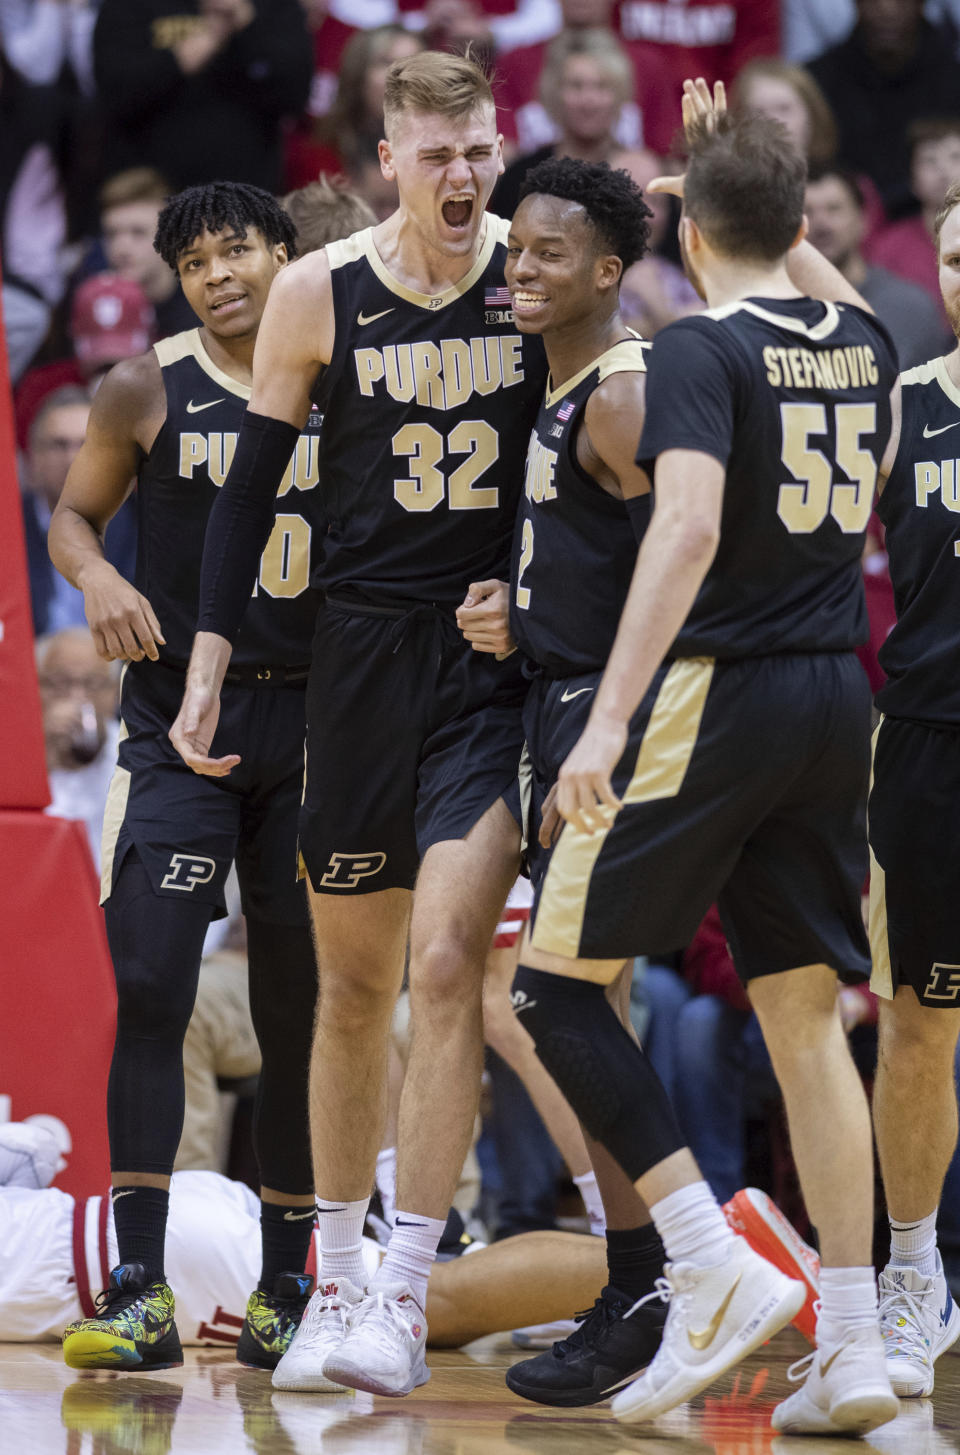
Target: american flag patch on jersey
(496,297)
(565,410)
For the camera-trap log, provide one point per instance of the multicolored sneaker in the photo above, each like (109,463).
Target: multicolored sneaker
(133,1329)
(756,1217)
(918,1321)
(272,1320)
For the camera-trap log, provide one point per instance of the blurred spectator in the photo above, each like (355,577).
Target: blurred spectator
(654,291)
(345,140)
(79,693)
(33,222)
(41,36)
(584,87)
(835,215)
(907,247)
(130,203)
(494,25)
(199,88)
(892,69)
(812,26)
(329,34)
(110,320)
(56,434)
(321,213)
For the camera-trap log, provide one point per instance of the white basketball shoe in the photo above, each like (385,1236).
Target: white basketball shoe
(716,1317)
(383,1352)
(918,1321)
(846,1390)
(322,1330)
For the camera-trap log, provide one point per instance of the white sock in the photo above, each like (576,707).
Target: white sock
(387,1182)
(914,1245)
(341,1239)
(692,1226)
(593,1202)
(848,1301)
(410,1253)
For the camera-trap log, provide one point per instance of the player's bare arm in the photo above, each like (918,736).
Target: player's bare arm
(294,342)
(607,441)
(128,411)
(893,444)
(675,556)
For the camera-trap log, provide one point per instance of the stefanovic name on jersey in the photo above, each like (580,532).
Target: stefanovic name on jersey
(440,374)
(849,367)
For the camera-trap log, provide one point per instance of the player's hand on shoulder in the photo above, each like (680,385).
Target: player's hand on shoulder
(484,618)
(192,732)
(585,795)
(123,623)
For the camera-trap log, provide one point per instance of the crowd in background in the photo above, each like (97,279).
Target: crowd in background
(109,106)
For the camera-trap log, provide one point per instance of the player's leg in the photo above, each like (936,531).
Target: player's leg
(916,950)
(530,1279)
(915,1116)
(155,944)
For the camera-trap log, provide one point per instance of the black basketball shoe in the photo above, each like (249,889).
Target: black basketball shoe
(606,1351)
(272,1320)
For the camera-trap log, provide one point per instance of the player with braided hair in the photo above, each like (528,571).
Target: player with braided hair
(233,207)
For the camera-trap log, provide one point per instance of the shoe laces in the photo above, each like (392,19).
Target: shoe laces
(907,1304)
(798,1371)
(384,1331)
(663,1289)
(592,1324)
(330,1303)
(115,1299)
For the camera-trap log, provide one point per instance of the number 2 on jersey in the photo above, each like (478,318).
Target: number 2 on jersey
(526,556)
(804,506)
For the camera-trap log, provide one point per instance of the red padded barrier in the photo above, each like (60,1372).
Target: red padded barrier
(23,774)
(57,996)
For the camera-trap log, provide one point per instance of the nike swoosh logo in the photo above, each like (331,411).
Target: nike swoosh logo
(702,1338)
(929,433)
(569,696)
(129,1193)
(292,1217)
(402,1223)
(196,408)
(825,1365)
(364,318)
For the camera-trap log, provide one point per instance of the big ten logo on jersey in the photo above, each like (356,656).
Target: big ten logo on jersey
(943,987)
(540,473)
(285,563)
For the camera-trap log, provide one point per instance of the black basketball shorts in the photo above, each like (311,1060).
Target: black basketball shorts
(411,737)
(743,784)
(915,861)
(188,829)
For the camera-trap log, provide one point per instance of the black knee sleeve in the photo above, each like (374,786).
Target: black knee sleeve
(606,1078)
(155,943)
(283,997)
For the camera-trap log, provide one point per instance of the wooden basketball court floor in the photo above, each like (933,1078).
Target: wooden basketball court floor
(214,1407)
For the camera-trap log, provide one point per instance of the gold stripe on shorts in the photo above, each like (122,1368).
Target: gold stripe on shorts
(113,815)
(661,766)
(881,977)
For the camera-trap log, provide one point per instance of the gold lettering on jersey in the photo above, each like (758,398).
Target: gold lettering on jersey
(541,470)
(172,30)
(441,375)
(851,367)
(215,451)
(931,479)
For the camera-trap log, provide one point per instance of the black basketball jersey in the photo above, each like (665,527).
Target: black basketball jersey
(920,507)
(574,547)
(792,397)
(428,404)
(176,487)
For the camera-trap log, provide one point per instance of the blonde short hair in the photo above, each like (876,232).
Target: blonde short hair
(601,46)
(322,212)
(435,82)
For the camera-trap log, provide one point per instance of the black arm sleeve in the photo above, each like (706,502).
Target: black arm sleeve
(241,520)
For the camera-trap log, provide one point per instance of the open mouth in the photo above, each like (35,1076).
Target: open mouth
(457,211)
(227,305)
(528,302)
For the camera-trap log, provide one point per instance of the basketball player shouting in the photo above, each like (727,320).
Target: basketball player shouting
(170,419)
(428,393)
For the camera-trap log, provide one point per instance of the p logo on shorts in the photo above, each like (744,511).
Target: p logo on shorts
(944,983)
(344,871)
(187,871)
